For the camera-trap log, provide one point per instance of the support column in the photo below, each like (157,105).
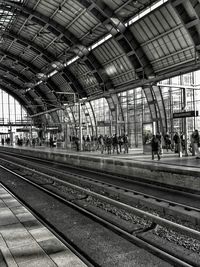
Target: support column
(185,130)
(80,126)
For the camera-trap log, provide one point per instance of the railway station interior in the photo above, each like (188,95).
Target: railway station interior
(111,87)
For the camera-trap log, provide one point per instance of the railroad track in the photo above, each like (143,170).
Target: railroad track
(136,236)
(157,203)
(77,169)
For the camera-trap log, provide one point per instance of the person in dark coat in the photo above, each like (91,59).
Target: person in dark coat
(167,141)
(196,143)
(115,143)
(155,146)
(176,140)
(76,141)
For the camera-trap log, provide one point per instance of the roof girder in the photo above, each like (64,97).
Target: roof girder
(15,87)
(76,86)
(125,39)
(19,99)
(14,73)
(188,12)
(69,38)
(27,43)
(32,68)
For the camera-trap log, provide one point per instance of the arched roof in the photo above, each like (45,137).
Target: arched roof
(48,47)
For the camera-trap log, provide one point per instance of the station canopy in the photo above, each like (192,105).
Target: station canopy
(56,51)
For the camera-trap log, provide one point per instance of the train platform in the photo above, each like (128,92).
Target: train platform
(24,241)
(172,170)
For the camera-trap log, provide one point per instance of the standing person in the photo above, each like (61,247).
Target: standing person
(33,142)
(109,144)
(51,141)
(155,147)
(167,141)
(115,144)
(126,143)
(120,142)
(196,142)
(76,141)
(182,137)
(84,143)
(88,143)
(101,142)
(176,140)
(159,136)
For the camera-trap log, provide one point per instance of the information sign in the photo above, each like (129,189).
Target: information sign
(184,114)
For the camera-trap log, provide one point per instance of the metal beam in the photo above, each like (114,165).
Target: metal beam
(14,73)
(188,12)
(45,112)
(23,62)
(13,84)
(28,43)
(16,89)
(24,103)
(125,39)
(22,77)
(50,58)
(32,68)
(59,30)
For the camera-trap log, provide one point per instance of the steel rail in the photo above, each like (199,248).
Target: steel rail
(146,215)
(110,175)
(136,240)
(146,196)
(118,178)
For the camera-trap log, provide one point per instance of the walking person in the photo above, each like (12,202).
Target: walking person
(159,136)
(196,143)
(167,141)
(155,147)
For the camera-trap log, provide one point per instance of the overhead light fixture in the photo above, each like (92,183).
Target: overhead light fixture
(52,73)
(29,84)
(57,65)
(41,76)
(83,99)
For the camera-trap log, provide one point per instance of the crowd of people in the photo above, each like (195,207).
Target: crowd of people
(25,141)
(6,140)
(177,143)
(120,143)
(103,143)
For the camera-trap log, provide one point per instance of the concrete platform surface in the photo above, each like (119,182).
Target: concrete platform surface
(171,170)
(25,242)
(135,154)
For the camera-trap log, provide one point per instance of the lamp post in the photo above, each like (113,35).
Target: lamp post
(80,126)
(75,101)
(80,101)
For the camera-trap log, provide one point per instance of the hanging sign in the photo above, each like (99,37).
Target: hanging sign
(184,114)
